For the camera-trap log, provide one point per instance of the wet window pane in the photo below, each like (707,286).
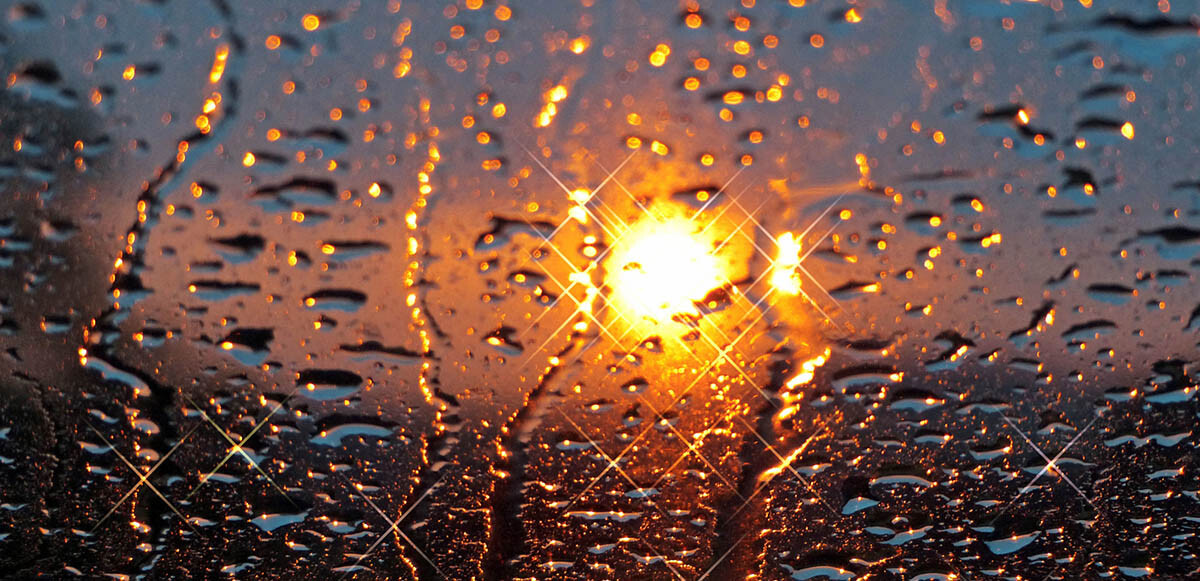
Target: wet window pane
(498,289)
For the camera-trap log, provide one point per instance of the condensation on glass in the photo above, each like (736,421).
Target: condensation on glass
(769,289)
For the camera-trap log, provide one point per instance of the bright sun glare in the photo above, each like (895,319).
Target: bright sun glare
(660,269)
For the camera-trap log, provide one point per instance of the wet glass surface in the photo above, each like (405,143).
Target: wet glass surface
(749,289)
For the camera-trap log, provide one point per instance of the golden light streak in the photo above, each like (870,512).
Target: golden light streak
(783,271)
(552,97)
(807,370)
(784,464)
(218,66)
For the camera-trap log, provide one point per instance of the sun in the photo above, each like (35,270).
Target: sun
(661,269)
